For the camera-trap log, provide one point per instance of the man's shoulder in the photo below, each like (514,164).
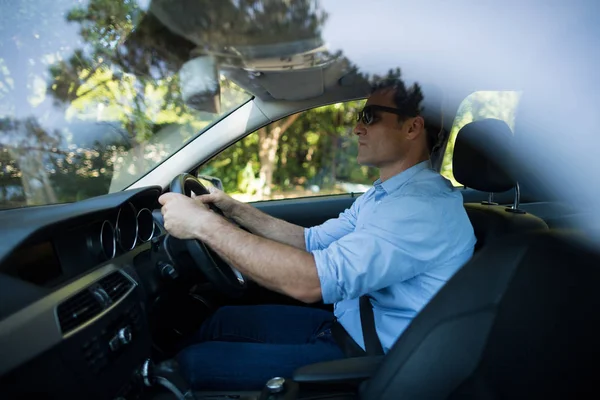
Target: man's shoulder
(364,196)
(432,197)
(429,183)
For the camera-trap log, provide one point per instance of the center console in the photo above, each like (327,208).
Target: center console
(107,355)
(106,340)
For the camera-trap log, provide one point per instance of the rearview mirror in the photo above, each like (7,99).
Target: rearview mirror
(209,181)
(199,84)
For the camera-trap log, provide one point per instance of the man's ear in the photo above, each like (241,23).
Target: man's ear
(416,127)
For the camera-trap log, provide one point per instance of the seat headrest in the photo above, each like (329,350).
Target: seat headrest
(481,151)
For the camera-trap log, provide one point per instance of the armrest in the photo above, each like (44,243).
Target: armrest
(346,370)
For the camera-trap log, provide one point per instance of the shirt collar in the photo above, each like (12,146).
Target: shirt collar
(396,181)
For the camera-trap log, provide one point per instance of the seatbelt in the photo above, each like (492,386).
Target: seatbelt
(345,341)
(367,322)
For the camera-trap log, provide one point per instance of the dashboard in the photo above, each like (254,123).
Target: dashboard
(82,246)
(76,281)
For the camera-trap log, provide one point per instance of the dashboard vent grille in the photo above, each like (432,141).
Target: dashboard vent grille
(90,302)
(116,285)
(77,310)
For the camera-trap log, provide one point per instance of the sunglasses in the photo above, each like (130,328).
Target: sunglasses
(367,115)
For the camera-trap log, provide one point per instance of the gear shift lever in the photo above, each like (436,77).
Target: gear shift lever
(167,375)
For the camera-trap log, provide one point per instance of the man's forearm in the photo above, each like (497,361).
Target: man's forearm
(269,227)
(274,265)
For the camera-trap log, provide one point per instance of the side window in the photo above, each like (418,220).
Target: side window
(479,105)
(312,153)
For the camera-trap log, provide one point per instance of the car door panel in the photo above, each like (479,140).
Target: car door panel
(307,211)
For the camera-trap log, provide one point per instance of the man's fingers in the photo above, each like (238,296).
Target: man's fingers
(206,198)
(165,197)
(214,190)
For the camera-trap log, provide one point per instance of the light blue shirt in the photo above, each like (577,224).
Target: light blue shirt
(399,242)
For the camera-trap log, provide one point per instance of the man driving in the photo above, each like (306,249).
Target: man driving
(395,247)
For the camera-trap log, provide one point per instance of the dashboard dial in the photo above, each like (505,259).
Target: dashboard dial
(145,222)
(126,228)
(108,243)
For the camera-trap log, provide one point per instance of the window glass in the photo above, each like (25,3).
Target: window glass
(480,105)
(312,153)
(94,94)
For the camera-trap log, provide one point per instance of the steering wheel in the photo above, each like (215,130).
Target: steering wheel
(226,278)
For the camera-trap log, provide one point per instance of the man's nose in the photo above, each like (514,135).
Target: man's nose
(360,129)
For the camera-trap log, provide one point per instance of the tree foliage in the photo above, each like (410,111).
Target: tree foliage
(315,152)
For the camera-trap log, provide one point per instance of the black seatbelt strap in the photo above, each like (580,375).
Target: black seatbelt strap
(345,341)
(367,322)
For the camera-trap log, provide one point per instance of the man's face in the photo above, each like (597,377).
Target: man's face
(387,139)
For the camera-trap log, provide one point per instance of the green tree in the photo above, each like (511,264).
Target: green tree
(268,139)
(317,148)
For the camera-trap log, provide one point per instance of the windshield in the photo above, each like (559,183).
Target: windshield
(91,99)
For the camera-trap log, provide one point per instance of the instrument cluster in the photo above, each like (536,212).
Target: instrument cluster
(131,227)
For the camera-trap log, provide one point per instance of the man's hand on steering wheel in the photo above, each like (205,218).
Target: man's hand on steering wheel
(188,219)
(185,216)
(220,199)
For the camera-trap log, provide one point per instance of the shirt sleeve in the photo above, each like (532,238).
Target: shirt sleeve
(321,236)
(383,252)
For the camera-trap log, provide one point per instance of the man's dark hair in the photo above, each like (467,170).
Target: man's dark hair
(408,101)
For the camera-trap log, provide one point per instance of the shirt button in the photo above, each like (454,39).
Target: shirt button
(378,202)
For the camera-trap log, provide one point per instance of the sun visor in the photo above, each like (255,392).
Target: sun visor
(287,60)
(297,85)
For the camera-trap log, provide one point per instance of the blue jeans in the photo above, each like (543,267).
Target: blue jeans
(242,347)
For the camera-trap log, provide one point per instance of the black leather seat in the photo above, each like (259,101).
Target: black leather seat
(517,321)
(481,153)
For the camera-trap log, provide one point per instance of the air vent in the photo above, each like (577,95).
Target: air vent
(90,302)
(77,310)
(116,285)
